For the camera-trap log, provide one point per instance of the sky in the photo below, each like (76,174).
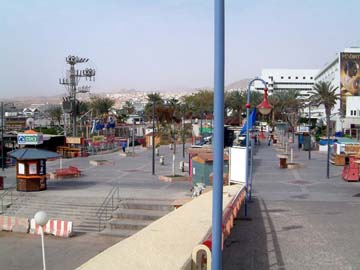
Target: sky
(159,45)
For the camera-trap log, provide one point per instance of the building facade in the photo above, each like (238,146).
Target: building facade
(344,73)
(301,80)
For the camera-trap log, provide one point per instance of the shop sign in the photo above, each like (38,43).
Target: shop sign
(30,139)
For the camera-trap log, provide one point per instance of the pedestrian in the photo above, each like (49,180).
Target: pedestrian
(123,145)
(269,140)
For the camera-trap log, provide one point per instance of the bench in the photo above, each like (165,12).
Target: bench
(67,172)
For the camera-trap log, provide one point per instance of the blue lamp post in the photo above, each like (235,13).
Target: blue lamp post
(264,108)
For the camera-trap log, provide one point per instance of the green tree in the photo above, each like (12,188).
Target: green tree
(200,102)
(235,104)
(56,114)
(101,105)
(286,106)
(325,94)
(129,107)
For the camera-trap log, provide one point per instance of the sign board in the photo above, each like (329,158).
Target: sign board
(30,139)
(98,139)
(237,165)
(73,140)
(303,128)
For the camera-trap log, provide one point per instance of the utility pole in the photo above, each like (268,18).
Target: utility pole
(71,83)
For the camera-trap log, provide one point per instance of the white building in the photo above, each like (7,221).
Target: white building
(344,73)
(301,80)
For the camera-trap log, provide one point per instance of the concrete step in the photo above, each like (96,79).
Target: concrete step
(128,224)
(126,213)
(81,211)
(119,233)
(163,205)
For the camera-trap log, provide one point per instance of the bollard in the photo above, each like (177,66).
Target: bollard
(162,160)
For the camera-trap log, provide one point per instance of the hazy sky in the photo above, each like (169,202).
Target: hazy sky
(164,44)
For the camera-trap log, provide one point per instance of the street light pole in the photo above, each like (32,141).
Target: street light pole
(219,63)
(2,137)
(264,108)
(41,218)
(310,129)
(153,140)
(133,137)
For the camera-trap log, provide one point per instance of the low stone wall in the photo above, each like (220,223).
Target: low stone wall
(166,243)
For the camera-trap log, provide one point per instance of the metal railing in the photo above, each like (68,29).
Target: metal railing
(104,213)
(2,198)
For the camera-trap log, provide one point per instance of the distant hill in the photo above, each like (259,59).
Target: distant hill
(241,84)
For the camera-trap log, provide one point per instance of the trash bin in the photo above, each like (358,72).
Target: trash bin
(306,142)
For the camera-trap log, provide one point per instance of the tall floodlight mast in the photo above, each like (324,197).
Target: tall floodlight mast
(71,81)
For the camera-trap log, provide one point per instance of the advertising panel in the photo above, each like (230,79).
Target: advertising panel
(30,139)
(349,76)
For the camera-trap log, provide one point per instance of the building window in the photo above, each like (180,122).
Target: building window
(304,78)
(355,113)
(289,77)
(296,77)
(311,78)
(282,77)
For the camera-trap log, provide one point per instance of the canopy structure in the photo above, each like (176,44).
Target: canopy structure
(32,153)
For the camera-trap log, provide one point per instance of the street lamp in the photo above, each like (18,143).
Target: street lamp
(2,137)
(41,218)
(153,139)
(264,108)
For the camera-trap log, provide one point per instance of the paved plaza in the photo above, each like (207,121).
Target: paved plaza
(132,173)
(298,219)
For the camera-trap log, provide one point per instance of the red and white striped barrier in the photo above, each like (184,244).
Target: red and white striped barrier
(55,227)
(14,224)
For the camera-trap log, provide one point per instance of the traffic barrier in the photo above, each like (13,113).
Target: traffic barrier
(14,224)
(55,227)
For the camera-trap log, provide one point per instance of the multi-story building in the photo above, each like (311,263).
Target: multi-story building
(301,80)
(344,73)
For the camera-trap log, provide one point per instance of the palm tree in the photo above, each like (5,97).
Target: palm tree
(56,114)
(325,94)
(101,105)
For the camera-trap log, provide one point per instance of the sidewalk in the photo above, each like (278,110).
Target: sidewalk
(298,219)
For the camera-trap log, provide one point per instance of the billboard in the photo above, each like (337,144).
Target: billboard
(349,76)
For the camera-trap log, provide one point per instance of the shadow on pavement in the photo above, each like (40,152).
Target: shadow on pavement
(253,242)
(69,184)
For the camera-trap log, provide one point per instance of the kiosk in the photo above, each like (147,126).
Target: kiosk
(31,168)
